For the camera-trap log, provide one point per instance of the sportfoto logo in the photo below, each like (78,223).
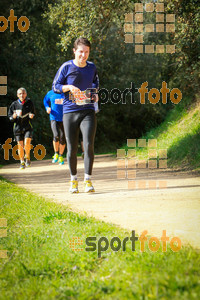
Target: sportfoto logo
(23,22)
(128,164)
(102,244)
(116,96)
(164,24)
(7,146)
(3,233)
(3,91)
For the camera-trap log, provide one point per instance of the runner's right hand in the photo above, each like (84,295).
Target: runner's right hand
(31,116)
(73,89)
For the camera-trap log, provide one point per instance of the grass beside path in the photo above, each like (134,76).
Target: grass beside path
(179,134)
(41,265)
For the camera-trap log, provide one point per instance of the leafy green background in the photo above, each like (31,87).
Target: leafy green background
(31,60)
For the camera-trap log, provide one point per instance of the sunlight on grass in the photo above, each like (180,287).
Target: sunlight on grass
(180,135)
(41,264)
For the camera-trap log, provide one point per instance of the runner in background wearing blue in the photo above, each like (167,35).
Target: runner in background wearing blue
(54,107)
(72,78)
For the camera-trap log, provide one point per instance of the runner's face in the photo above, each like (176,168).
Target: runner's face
(21,95)
(81,54)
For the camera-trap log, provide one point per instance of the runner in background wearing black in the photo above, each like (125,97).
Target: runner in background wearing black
(21,112)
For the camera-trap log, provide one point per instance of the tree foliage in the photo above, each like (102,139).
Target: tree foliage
(31,60)
(88,18)
(186,61)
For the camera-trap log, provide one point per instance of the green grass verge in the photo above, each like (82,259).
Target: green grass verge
(41,265)
(180,135)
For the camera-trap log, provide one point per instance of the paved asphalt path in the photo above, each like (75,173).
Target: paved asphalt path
(175,209)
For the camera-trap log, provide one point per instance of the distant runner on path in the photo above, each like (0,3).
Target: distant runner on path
(21,112)
(74,78)
(54,107)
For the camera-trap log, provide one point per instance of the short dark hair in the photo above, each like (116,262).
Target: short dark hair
(83,41)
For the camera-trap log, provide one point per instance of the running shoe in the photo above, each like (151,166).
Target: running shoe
(61,160)
(74,187)
(22,166)
(55,158)
(28,163)
(88,186)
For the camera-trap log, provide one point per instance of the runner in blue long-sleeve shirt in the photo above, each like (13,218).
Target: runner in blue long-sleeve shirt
(73,78)
(54,107)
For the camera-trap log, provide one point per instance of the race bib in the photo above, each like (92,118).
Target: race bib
(82,97)
(18,112)
(59,101)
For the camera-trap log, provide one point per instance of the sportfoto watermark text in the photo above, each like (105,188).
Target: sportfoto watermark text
(23,22)
(102,244)
(154,95)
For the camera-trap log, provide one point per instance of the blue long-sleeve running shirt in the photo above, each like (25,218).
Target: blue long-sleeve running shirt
(55,101)
(83,78)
